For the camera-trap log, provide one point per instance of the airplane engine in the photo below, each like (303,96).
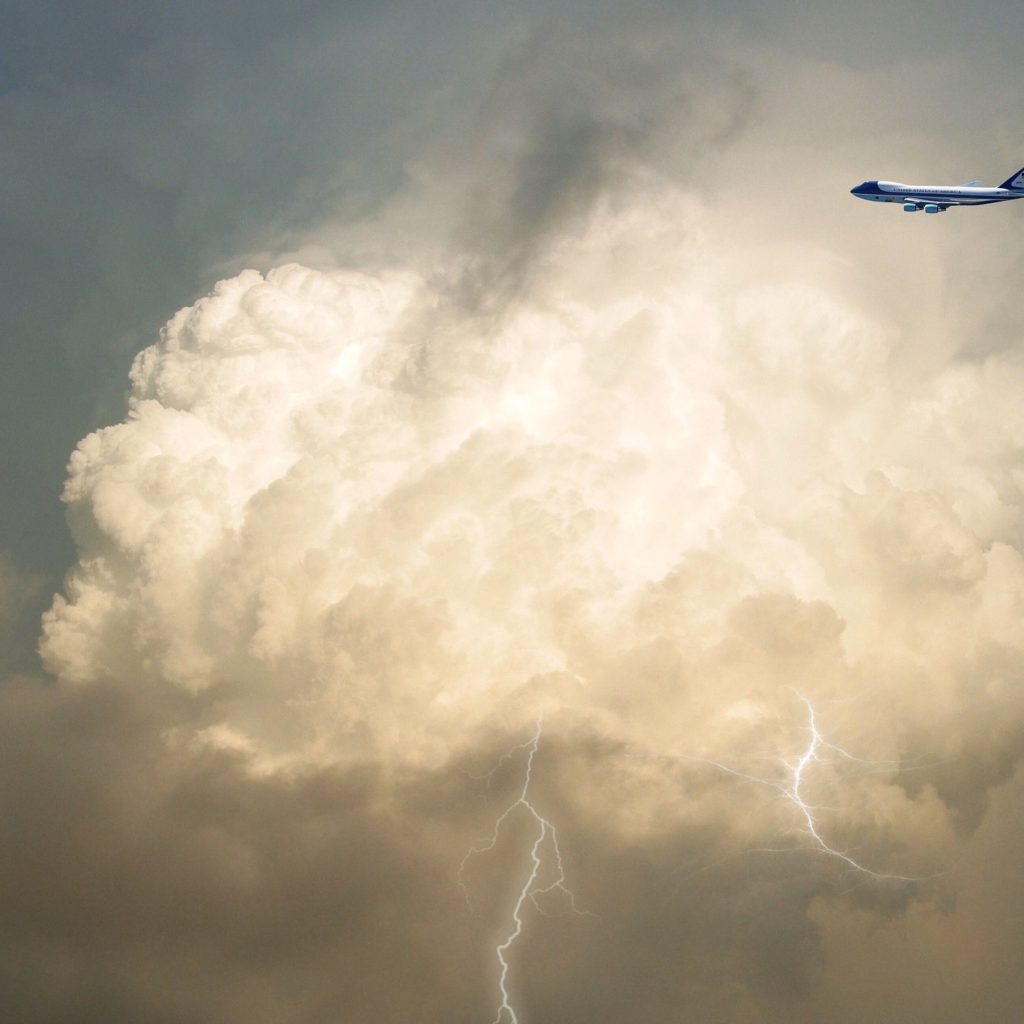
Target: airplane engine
(932,208)
(910,207)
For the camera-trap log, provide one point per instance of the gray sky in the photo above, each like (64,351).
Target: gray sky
(593,394)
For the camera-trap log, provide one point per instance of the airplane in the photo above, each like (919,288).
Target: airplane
(938,198)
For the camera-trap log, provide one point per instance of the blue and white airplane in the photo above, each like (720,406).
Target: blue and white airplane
(936,198)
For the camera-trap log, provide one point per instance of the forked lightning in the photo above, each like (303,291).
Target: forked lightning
(818,751)
(545,857)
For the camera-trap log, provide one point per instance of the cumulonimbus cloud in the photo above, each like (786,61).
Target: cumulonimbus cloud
(611,462)
(355,517)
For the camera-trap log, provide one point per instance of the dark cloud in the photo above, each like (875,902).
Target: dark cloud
(570,117)
(143,885)
(147,883)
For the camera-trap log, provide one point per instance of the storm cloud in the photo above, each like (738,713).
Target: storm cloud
(537,396)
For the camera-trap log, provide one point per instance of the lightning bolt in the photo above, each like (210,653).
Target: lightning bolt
(818,751)
(545,860)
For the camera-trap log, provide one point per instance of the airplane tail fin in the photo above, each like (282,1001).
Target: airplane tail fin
(1016,181)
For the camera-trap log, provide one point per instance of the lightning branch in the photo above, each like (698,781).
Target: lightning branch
(544,873)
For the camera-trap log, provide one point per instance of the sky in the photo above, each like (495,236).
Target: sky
(492,530)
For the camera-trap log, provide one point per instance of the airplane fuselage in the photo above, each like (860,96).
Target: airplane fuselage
(932,198)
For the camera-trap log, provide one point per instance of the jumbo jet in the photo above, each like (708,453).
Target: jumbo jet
(936,198)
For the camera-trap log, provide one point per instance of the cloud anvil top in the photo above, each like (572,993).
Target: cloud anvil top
(939,198)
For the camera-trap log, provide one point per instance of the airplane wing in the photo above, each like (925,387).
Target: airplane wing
(971,184)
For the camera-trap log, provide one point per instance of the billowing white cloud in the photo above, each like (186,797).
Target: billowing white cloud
(356,515)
